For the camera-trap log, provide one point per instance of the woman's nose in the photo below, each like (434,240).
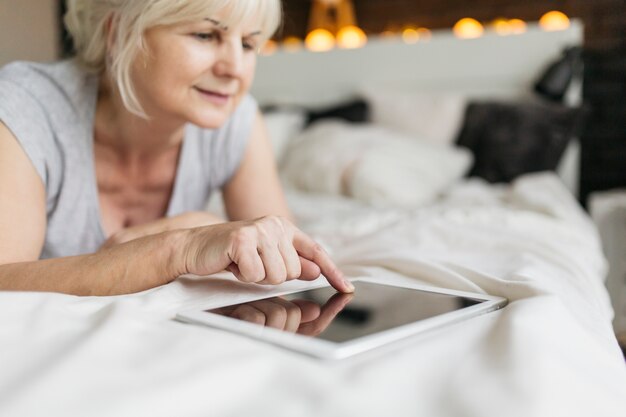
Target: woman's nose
(229,60)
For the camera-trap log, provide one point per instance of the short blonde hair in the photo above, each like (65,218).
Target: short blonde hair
(86,21)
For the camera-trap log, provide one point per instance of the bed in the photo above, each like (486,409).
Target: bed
(551,351)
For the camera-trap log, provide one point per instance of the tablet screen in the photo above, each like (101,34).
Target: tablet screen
(326,314)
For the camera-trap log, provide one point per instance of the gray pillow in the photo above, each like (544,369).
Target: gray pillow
(510,139)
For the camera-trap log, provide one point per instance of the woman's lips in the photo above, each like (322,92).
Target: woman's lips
(213,96)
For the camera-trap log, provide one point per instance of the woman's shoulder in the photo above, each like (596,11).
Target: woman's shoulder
(49,84)
(45,107)
(23,72)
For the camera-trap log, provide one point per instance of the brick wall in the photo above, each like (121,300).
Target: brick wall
(605,20)
(603,164)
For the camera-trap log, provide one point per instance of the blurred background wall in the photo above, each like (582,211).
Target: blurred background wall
(29,30)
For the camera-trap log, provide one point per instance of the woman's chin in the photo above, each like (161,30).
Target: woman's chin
(208,121)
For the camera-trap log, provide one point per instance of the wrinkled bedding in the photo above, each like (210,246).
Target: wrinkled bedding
(550,352)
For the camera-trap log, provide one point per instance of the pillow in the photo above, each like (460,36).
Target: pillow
(372,164)
(356,111)
(282,125)
(432,116)
(509,139)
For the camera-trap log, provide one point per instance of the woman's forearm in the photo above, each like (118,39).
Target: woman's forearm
(268,251)
(127,268)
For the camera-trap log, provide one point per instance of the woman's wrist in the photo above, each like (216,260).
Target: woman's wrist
(194,219)
(177,248)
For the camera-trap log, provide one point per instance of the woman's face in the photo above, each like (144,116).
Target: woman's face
(196,72)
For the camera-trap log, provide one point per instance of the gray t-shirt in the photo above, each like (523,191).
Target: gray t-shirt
(50,109)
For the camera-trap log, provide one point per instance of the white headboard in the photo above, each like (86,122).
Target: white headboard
(492,65)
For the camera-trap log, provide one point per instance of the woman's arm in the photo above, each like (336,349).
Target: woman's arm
(131,267)
(255,189)
(22,203)
(22,232)
(267,250)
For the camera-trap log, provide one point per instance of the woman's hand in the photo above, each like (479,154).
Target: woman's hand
(269,250)
(187,220)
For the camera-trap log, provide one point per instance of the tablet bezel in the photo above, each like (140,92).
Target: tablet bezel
(331,350)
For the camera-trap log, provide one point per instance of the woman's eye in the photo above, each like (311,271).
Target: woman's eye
(248,46)
(205,36)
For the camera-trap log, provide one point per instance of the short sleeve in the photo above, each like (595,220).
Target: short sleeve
(24,116)
(210,158)
(239,136)
(233,141)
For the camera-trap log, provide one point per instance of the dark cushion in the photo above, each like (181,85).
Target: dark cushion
(510,139)
(356,111)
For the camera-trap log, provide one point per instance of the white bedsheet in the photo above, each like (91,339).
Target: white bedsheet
(550,352)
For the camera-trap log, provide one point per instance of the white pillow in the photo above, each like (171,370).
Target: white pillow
(317,159)
(432,116)
(282,126)
(372,164)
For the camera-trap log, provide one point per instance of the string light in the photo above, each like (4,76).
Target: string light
(351,37)
(553,21)
(468,28)
(502,26)
(424,34)
(292,44)
(410,35)
(518,26)
(320,40)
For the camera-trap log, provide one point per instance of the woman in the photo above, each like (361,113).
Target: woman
(107,161)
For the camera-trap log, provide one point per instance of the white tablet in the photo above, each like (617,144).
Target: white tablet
(324,323)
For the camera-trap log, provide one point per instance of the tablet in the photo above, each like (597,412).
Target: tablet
(324,323)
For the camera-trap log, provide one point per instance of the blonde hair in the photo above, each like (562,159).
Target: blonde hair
(87,21)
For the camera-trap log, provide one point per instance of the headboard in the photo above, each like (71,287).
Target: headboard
(492,65)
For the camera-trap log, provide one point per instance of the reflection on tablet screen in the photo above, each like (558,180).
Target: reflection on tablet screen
(327,314)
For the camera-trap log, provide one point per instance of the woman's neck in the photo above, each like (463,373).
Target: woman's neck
(129,135)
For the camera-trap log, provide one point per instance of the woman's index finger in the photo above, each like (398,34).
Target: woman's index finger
(313,251)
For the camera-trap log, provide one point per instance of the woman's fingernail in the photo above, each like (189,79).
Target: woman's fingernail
(348,284)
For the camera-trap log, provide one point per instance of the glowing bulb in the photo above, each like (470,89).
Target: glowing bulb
(424,34)
(468,28)
(553,21)
(351,37)
(269,48)
(320,40)
(410,35)
(292,44)
(517,26)
(502,27)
